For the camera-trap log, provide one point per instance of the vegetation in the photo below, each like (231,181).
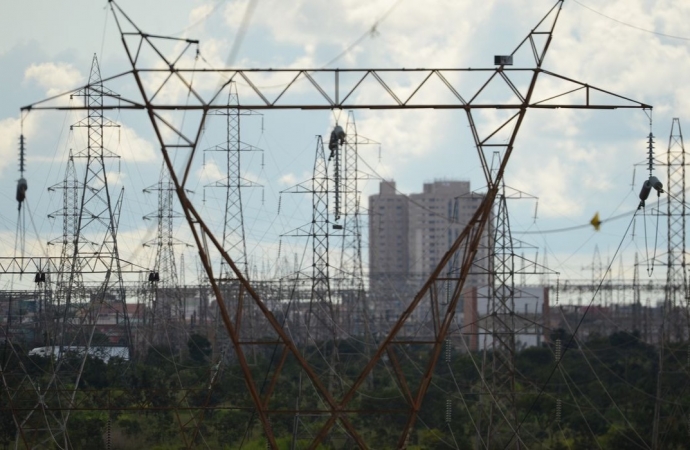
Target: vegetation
(606,386)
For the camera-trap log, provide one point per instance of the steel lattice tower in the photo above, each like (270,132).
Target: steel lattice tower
(166,300)
(96,230)
(320,318)
(676,277)
(320,326)
(233,225)
(503,417)
(69,212)
(597,267)
(164,241)
(351,272)
(637,301)
(675,298)
(332,95)
(90,223)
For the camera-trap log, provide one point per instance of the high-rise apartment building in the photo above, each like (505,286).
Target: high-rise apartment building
(436,217)
(388,234)
(408,235)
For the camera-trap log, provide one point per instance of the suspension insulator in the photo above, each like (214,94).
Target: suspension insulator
(22,187)
(652,183)
(644,192)
(656,184)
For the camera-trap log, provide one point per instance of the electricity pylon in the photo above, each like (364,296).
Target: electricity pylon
(329,93)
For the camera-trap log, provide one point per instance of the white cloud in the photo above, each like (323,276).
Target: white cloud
(54,78)
(571,159)
(115,178)
(133,147)
(288,179)
(210,172)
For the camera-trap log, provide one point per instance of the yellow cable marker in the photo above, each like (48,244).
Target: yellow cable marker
(595,222)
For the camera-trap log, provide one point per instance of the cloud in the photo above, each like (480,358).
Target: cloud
(55,78)
(210,172)
(134,148)
(115,178)
(288,179)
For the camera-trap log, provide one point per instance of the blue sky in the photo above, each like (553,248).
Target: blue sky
(576,162)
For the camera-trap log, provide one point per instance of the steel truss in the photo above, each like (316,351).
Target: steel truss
(676,298)
(234,182)
(351,278)
(675,320)
(335,89)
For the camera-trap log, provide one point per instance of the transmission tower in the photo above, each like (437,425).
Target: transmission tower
(96,228)
(676,277)
(320,326)
(166,297)
(675,307)
(70,222)
(233,183)
(503,417)
(90,224)
(316,324)
(351,285)
(327,93)
(234,241)
(638,309)
(319,321)
(597,267)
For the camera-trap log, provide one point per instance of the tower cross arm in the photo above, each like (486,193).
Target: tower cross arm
(369,88)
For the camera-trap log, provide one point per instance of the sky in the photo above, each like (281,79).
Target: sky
(576,162)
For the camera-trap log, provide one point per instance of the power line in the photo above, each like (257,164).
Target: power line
(572,337)
(631,25)
(371,32)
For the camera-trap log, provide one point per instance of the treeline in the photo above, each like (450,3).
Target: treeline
(602,395)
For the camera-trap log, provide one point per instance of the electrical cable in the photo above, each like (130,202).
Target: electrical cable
(572,338)
(239,38)
(205,17)
(632,26)
(371,32)
(603,386)
(575,227)
(650,263)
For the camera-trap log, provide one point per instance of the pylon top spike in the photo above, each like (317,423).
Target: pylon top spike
(95,75)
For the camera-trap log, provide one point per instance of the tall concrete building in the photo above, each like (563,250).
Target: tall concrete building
(434,223)
(388,234)
(408,235)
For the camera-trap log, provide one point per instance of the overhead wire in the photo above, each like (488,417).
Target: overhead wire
(603,386)
(372,31)
(650,263)
(631,25)
(570,341)
(369,33)
(204,18)
(242,31)
(359,41)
